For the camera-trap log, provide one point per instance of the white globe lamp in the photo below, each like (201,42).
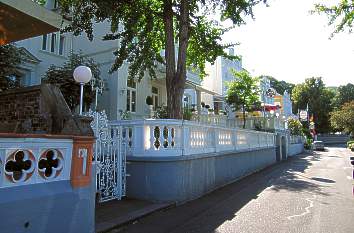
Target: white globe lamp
(82,75)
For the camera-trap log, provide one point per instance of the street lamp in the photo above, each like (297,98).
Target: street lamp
(98,86)
(82,75)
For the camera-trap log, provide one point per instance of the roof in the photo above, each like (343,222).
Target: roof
(28,56)
(22,19)
(197,87)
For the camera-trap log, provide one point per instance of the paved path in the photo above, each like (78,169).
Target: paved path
(309,193)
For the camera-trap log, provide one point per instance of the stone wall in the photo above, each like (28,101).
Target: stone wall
(39,109)
(21,107)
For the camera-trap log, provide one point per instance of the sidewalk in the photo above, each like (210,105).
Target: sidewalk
(115,213)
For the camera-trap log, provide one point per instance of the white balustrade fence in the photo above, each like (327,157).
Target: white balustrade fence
(272,123)
(167,137)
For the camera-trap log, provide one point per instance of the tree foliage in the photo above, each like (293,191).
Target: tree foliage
(314,93)
(344,94)
(186,30)
(62,76)
(340,15)
(10,59)
(295,127)
(242,92)
(280,86)
(343,119)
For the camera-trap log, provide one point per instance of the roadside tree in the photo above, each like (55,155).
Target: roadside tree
(186,30)
(314,93)
(340,15)
(295,127)
(62,76)
(243,92)
(280,86)
(345,94)
(343,119)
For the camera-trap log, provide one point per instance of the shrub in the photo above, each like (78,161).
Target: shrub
(187,114)
(349,143)
(308,143)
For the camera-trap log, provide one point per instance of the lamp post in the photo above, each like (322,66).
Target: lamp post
(98,86)
(82,75)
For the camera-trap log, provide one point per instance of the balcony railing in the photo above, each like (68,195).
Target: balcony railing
(168,137)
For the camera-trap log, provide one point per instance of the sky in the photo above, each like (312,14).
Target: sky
(287,42)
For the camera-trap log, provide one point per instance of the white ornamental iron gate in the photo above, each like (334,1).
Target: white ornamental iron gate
(110,157)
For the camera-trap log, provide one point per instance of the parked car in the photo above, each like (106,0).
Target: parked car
(318,145)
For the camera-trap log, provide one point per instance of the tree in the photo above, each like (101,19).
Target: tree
(343,119)
(344,94)
(295,127)
(341,15)
(242,92)
(314,93)
(280,86)
(10,59)
(62,76)
(186,30)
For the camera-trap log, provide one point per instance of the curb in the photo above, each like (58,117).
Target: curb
(131,217)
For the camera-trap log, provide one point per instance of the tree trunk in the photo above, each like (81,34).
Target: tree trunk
(244,116)
(175,79)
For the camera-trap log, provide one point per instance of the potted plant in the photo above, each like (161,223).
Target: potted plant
(149,102)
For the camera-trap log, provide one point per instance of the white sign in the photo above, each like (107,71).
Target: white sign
(303,115)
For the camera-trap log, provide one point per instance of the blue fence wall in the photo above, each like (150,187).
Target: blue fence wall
(295,149)
(53,207)
(182,178)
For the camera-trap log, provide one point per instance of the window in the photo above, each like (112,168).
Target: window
(44,42)
(53,42)
(61,45)
(155,97)
(56,5)
(131,95)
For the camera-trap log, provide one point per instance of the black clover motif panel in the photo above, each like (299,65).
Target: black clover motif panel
(50,164)
(19,166)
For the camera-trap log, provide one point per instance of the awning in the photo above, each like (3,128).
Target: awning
(270,107)
(191,85)
(22,19)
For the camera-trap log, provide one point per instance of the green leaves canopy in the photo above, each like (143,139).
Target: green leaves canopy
(344,94)
(314,93)
(343,119)
(340,15)
(62,76)
(145,27)
(10,59)
(243,91)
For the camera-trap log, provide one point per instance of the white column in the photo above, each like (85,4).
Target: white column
(199,101)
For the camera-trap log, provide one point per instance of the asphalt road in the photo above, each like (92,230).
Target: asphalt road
(308,193)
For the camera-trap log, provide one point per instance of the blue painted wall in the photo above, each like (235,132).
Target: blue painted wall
(47,208)
(184,178)
(295,149)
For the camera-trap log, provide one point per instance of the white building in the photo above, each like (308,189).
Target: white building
(123,95)
(218,75)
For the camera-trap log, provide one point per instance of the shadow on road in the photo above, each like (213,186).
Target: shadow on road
(293,179)
(206,214)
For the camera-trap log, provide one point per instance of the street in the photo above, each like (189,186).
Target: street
(307,193)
